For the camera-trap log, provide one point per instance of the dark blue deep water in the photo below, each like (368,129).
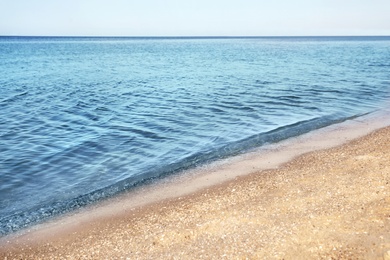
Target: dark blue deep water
(85,118)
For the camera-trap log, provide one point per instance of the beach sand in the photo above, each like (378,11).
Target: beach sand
(333,204)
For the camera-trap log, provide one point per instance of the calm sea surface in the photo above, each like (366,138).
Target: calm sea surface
(85,118)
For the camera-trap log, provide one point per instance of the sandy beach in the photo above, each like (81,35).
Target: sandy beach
(332,203)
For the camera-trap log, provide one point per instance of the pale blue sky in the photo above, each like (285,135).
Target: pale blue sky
(194,17)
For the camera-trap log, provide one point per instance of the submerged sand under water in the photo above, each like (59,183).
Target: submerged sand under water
(331,203)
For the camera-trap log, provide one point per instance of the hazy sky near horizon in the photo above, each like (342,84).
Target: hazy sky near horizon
(194,17)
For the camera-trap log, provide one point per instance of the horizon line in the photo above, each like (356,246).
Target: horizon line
(190,36)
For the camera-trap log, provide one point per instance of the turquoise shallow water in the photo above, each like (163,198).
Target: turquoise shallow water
(85,118)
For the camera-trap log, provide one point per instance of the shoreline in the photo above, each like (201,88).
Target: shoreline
(181,190)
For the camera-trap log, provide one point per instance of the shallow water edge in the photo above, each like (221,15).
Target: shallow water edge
(214,174)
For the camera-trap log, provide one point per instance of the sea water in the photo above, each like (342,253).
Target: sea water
(83,119)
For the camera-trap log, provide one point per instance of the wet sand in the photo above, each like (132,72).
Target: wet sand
(328,203)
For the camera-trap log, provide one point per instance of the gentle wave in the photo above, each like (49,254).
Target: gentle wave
(22,219)
(84,119)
